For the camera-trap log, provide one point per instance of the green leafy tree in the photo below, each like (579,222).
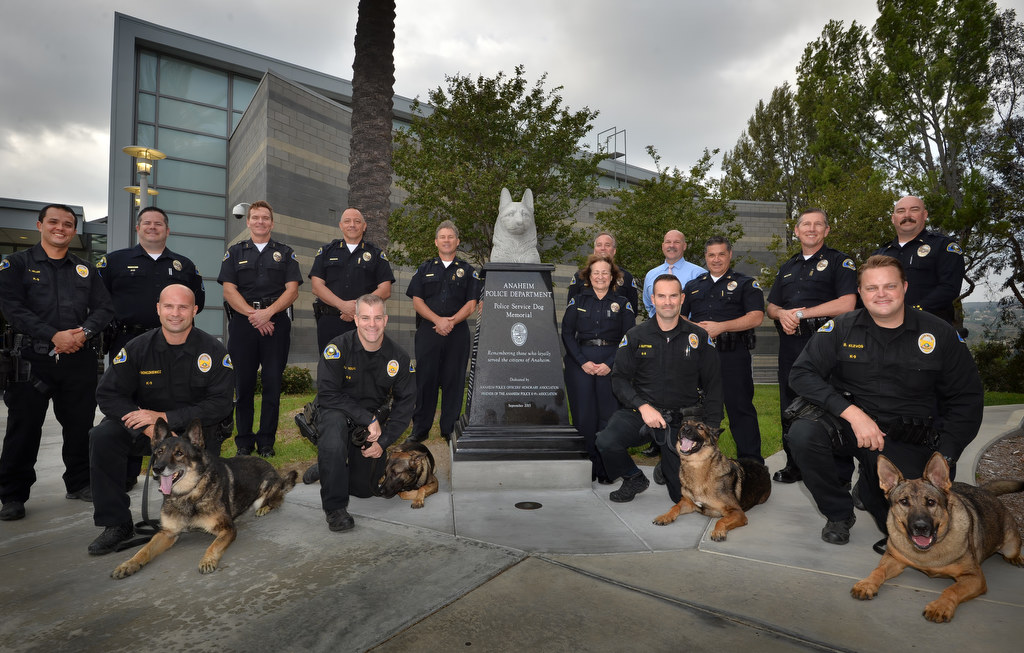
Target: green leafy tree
(690,202)
(483,135)
(373,82)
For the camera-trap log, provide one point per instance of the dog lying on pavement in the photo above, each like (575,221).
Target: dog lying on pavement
(409,473)
(714,485)
(205,493)
(943,529)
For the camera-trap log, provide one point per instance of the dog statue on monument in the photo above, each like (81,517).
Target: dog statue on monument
(515,233)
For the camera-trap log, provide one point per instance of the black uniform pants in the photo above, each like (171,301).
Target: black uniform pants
(591,402)
(623,432)
(110,446)
(344,470)
(737,375)
(440,363)
(134,465)
(329,327)
(249,351)
(71,382)
(817,457)
(789,349)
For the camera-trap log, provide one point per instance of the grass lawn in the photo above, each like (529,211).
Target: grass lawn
(292,447)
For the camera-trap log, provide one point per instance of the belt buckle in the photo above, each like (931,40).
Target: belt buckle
(257,305)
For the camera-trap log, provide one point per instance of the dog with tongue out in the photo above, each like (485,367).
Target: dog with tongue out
(205,493)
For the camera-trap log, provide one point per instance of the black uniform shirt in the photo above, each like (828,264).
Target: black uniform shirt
(732,296)
(350,275)
(194,380)
(359,382)
(934,265)
(134,280)
(40,296)
(828,274)
(628,288)
(666,369)
(894,373)
(589,318)
(259,275)
(444,290)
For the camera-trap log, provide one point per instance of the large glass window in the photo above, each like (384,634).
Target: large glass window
(192,82)
(181,202)
(242,92)
(188,224)
(195,176)
(147,107)
(192,116)
(194,147)
(147,72)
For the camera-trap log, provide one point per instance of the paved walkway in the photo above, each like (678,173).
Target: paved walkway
(470,571)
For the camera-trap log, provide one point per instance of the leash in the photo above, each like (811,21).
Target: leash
(147,528)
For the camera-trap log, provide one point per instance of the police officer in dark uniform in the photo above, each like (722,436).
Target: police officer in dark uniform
(729,305)
(261,281)
(662,367)
(176,372)
(359,372)
(626,285)
(444,294)
(593,325)
(136,275)
(933,262)
(886,379)
(55,304)
(814,285)
(343,271)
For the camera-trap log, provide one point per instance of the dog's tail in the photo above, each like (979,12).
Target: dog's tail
(288,482)
(1002,486)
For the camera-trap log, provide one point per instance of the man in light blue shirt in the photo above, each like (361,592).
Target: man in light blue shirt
(673,247)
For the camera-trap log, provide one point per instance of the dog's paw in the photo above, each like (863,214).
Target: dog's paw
(864,591)
(416,504)
(262,510)
(1016,562)
(207,566)
(125,569)
(663,520)
(719,536)
(940,610)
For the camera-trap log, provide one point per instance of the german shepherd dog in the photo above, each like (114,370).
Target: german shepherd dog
(714,485)
(409,473)
(943,529)
(205,493)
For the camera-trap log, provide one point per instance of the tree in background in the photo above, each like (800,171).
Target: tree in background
(373,84)
(483,135)
(692,203)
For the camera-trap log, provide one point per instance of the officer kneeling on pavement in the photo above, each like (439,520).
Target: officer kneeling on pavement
(359,373)
(176,372)
(660,370)
(887,379)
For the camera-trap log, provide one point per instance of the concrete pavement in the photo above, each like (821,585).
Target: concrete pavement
(472,571)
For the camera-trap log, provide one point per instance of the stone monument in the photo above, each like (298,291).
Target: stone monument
(517,408)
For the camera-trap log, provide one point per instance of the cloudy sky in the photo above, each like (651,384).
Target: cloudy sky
(681,75)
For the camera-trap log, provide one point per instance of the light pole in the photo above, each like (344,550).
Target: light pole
(144,158)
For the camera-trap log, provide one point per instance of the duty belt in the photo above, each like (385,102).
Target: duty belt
(264,302)
(596,342)
(320,309)
(729,340)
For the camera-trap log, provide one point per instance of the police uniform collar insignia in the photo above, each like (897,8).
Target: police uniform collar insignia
(926,343)
(121,357)
(694,341)
(82,270)
(331,352)
(392,367)
(226,362)
(204,362)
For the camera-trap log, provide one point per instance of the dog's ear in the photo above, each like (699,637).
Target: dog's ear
(528,199)
(936,472)
(195,433)
(505,200)
(160,430)
(889,476)
(714,432)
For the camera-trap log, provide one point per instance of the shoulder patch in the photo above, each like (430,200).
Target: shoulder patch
(755,284)
(294,258)
(226,255)
(319,251)
(624,341)
(102,262)
(960,338)
(226,362)
(476,275)
(629,307)
(711,342)
(954,248)
(571,302)
(827,327)
(121,357)
(383,255)
(392,367)
(331,353)
(636,286)
(572,282)
(848,264)
(4,264)
(412,367)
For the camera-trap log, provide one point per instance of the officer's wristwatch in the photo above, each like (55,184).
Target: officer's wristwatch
(799,315)
(87,331)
